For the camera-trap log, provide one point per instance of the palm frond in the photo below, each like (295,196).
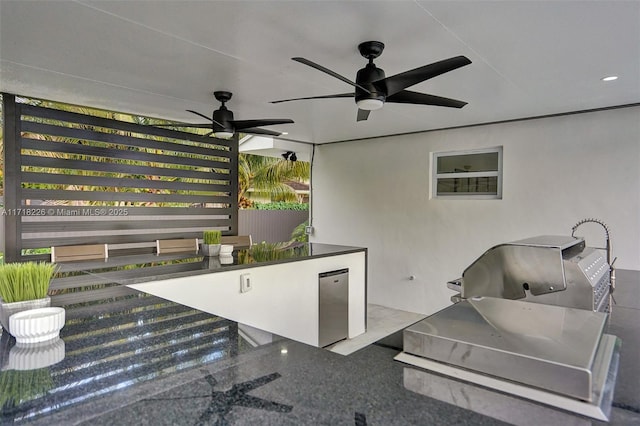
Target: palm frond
(265,176)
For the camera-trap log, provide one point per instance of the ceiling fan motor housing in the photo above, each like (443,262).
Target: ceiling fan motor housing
(223,116)
(365,78)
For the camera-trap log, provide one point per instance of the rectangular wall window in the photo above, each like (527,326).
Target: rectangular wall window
(467,174)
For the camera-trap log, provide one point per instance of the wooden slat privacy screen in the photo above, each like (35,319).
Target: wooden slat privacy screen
(76,179)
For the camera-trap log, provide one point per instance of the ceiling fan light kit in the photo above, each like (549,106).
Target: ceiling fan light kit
(223,135)
(370,104)
(373,89)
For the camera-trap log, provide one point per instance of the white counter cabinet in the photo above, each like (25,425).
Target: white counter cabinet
(284,297)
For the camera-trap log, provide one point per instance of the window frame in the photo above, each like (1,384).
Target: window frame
(435,176)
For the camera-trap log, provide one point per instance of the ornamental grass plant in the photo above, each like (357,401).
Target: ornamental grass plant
(20,281)
(264,252)
(212,236)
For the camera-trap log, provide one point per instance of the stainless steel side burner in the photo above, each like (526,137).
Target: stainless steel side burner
(551,354)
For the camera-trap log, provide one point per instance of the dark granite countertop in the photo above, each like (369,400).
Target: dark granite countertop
(141,360)
(259,255)
(102,279)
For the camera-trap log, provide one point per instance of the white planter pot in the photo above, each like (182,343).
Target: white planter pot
(8,309)
(37,325)
(210,249)
(226,250)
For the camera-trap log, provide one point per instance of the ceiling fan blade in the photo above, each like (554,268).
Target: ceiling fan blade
(340,95)
(198,114)
(363,114)
(398,82)
(328,71)
(204,116)
(179,124)
(256,131)
(245,124)
(408,97)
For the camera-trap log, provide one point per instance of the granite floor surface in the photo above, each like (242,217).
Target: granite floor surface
(289,383)
(294,384)
(146,361)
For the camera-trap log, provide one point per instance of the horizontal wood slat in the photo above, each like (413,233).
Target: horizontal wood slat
(111,239)
(239,241)
(73,117)
(96,166)
(83,134)
(82,252)
(108,239)
(121,154)
(78,180)
(177,245)
(59,210)
(113,225)
(43,194)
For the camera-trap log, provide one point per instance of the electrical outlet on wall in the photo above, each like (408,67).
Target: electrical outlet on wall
(246,284)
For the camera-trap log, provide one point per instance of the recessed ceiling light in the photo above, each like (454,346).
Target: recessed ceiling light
(610,78)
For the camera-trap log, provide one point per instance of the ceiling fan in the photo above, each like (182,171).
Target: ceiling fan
(224,126)
(373,89)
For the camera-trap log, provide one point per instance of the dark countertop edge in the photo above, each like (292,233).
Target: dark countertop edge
(338,251)
(346,250)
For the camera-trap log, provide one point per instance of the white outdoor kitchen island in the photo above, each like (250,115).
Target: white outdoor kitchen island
(283,297)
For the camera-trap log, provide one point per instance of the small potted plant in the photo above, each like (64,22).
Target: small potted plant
(24,286)
(211,242)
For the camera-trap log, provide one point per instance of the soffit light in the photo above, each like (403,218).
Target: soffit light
(610,78)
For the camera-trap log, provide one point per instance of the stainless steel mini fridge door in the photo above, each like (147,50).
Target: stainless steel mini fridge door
(334,306)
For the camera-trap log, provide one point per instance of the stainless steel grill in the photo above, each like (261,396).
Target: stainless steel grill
(553,270)
(528,319)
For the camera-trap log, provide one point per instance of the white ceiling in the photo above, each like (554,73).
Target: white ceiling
(159,58)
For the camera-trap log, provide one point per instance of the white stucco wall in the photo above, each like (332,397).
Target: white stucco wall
(375,193)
